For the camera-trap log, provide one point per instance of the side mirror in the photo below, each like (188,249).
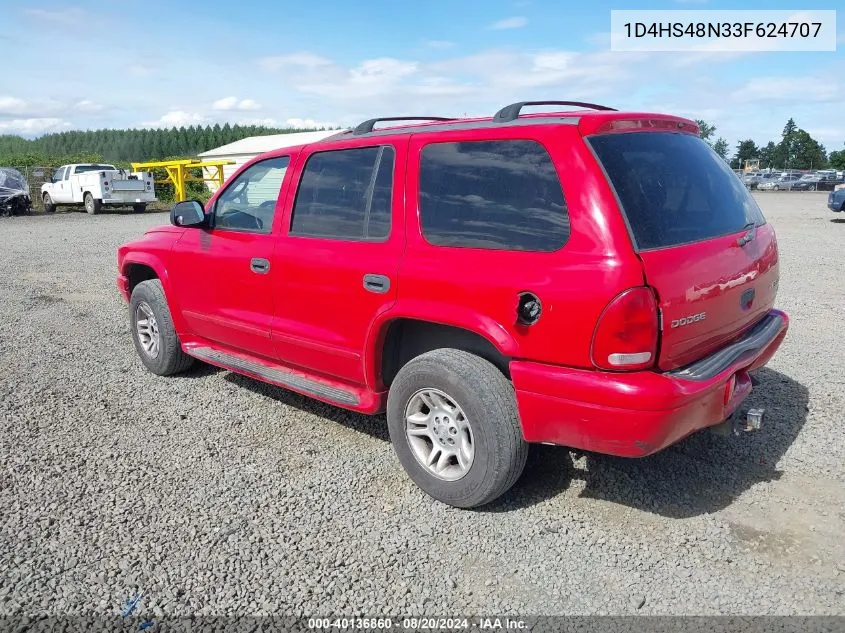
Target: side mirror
(187,213)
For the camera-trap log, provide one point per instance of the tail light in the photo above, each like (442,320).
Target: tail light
(626,335)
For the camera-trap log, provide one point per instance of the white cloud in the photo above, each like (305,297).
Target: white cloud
(15,106)
(516,22)
(233,103)
(371,78)
(86,105)
(801,89)
(12,105)
(293,60)
(38,125)
(309,123)
(178,118)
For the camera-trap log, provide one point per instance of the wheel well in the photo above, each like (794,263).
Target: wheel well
(408,338)
(138,273)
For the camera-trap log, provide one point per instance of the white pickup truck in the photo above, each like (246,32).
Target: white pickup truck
(95,185)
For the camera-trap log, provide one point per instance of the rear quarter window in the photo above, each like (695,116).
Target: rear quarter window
(673,188)
(503,195)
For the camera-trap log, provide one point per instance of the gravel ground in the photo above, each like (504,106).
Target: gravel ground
(211,493)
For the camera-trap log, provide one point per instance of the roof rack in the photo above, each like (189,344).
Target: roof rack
(367,126)
(511,112)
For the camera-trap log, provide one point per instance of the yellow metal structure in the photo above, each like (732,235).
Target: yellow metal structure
(179,173)
(752,164)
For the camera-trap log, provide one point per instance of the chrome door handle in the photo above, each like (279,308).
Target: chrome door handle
(259,265)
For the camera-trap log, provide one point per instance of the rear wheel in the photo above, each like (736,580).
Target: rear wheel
(453,422)
(49,206)
(153,332)
(92,205)
(139,208)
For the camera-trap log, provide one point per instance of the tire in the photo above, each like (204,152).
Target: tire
(486,400)
(776,188)
(139,208)
(49,207)
(812,187)
(168,358)
(92,205)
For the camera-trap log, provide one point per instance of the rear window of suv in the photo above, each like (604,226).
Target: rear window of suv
(502,195)
(673,188)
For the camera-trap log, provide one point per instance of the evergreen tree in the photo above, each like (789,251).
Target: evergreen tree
(721,148)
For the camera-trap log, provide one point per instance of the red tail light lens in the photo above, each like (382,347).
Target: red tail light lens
(626,334)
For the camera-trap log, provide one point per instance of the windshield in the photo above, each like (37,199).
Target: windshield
(673,188)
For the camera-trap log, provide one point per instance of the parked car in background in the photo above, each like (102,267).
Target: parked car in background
(807,182)
(14,192)
(828,180)
(836,200)
(95,185)
(592,278)
(779,183)
(754,180)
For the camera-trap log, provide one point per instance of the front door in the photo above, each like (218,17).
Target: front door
(223,275)
(340,257)
(61,186)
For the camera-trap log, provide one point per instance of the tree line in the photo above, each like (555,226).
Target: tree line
(124,146)
(796,149)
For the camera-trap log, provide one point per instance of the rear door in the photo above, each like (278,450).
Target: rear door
(703,242)
(339,261)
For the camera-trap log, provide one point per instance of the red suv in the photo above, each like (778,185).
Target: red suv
(590,278)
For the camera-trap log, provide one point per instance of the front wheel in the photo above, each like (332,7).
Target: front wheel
(775,188)
(812,187)
(152,330)
(49,205)
(453,423)
(92,205)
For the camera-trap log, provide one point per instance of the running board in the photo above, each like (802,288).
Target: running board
(275,375)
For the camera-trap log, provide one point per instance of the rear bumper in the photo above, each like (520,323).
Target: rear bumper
(639,413)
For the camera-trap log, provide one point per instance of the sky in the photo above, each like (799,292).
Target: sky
(89,65)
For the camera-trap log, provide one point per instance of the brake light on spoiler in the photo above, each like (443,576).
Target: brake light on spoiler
(645,122)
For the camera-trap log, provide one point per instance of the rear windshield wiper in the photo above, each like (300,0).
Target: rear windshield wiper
(750,233)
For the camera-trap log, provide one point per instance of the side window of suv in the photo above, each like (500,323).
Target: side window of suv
(502,195)
(249,202)
(345,194)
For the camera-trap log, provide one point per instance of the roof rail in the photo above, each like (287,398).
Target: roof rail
(367,126)
(511,112)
